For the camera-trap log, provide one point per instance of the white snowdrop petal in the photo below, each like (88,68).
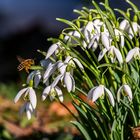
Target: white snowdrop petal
(101,54)
(124,24)
(62,67)
(88,31)
(46,92)
(78,63)
(48,71)
(68,81)
(59,93)
(28,111)
(95,45)
(119,94)
(19,94)
(51,50)
(45,63)
(56,80)
(127,89)
(110,96)
(73,83)
(105,41)
(90,94)
(67,60)
(130,54)
(51,69)
(91,42)
(98,92)
(30,77)
(32,97)
(37,79)
(67,37)
(118,55)
(122,41)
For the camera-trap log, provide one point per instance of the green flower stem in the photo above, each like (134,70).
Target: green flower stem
(91,59)
(111,72)
(87,65)
(89,82)
(137,66)
(122,129)
(81,91)
(74,116)
(132,112)
(36,68)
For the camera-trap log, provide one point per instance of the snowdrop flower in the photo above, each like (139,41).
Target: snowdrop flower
(99,91)
(97,24)
(69,82)
(67,79)
(134,53)
(53,48)
(28,108)
(69,61)
(66,76)
(36,76)
(49,71)
(127,90)
(75,34)
(105,40)
(45,63)
(113,53)
(133,31)
(89,31)
(29,93)
(124,25)
(53,91)
(94,42)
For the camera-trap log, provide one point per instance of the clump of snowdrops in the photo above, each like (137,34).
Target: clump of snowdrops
(97,55)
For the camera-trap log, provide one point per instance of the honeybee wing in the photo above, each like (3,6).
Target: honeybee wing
(20,59)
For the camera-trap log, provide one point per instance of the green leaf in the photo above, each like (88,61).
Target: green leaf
(136,10)
(70,24)
(134,74)
(82,130)
(115,135)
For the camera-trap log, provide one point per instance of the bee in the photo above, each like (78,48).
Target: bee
(25,64)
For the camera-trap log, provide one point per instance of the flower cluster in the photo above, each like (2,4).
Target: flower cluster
(101,52)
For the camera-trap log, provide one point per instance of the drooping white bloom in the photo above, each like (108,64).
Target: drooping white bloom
(35,76)
(52,91)
(134,53)
(133,30)
(49,71)
(94,42)
(113,53)
(28,108)
(45,63)
(69,82)
(105,40)
(99,91)
(127,90)
(89,31)
(28,92)
(97,24)
(69,61)
(75,34)
(52,49)
(124,25)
